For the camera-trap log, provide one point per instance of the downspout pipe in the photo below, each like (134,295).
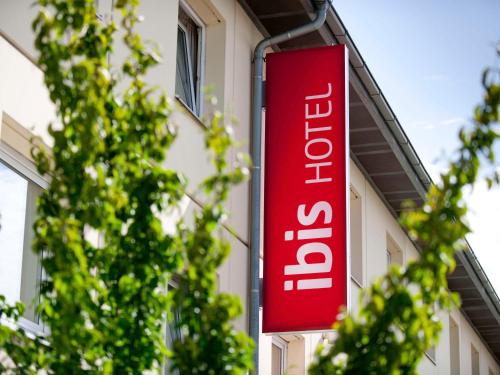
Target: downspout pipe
(256,170)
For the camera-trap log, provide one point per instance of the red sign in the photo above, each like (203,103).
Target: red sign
(306,189)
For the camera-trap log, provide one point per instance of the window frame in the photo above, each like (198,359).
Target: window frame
(282,345)
(182,28)
(25,168)
(197,95)
(21,165)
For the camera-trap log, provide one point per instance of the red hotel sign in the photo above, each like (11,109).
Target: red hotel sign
(306,169)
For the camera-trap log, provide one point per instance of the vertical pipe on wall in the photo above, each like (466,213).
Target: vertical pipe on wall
(256,170)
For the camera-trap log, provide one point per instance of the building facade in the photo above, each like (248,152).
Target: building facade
(211,43)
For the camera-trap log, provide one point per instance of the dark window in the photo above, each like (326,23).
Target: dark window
(188,72)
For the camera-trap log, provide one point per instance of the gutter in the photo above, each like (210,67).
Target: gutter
(255,230)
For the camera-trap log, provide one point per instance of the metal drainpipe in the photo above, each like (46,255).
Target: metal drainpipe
(256,170)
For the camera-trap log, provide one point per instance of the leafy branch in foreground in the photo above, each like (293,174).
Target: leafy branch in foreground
(105,301)
(210,344)
(397,320)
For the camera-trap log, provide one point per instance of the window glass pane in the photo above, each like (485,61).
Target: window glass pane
(183,84)
(192,31)
(13,192)
(31,268)
(173,333)
(187,85)
(20,270)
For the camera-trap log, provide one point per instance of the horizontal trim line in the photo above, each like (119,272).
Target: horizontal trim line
(378,152)
(225,226)
(20,49)
(396,200)
(359,130)
(400,192)
(382,174)
(369,144)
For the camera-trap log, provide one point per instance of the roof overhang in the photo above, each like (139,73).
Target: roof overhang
(381,149)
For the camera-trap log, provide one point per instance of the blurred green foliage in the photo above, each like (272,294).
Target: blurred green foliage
(105,303)
(397,321)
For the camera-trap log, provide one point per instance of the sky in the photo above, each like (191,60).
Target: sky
(427,57)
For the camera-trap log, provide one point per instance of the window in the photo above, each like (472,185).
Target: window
(173,333)
(474,360)
(394,254)
(278,356)
(20,268)
(189,60)
(454,348)
(356,237)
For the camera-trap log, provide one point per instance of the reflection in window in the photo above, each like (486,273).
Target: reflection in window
(20,269)
(173,334)
(187,81)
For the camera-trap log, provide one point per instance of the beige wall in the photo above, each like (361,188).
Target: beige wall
(22,94)
(379,223)
(16,17)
